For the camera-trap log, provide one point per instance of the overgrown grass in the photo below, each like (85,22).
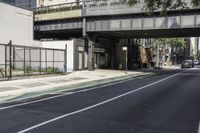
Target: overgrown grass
(29,70)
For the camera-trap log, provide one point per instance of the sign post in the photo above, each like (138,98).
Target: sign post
(125,49)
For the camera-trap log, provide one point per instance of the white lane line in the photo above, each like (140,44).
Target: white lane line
(65,94)
(199,128)
(93,106)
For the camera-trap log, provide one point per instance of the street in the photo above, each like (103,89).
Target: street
(164,103)
(103,66)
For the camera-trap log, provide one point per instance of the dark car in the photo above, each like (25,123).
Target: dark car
(187,64)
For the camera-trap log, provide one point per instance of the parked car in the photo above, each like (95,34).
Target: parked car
(187,64)
(196,62)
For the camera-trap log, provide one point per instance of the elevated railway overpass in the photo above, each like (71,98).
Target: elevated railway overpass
(112,20)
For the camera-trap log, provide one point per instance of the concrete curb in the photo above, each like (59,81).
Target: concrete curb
(70,88)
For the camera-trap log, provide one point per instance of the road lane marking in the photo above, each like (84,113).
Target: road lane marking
(199,128)
(67,93)
(96,105)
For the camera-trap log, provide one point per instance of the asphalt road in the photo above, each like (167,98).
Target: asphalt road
(165,103)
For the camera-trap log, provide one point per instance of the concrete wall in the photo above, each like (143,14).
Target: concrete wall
(16,24)
(2,57)
(80,56)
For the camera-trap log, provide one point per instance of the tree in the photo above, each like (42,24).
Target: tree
(198,54)
(160,44)
(177,45)
(176,42)
(164,5)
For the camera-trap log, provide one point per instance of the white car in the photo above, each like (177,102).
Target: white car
(196,62)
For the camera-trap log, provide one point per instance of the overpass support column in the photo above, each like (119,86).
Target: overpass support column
(129,48)
(90,51)
(89,47)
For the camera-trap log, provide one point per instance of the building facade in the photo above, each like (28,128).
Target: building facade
(27,4)
(194,47)
(41,3)
(16,25)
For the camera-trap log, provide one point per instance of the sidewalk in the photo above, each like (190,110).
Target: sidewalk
(28,88)
(174,67)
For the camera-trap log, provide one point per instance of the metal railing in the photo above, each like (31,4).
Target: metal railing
(103,3)
(17,60)
(119,7)
(59,8)
(89,4)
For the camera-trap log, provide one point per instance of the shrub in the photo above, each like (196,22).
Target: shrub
(28,69)
(53,70)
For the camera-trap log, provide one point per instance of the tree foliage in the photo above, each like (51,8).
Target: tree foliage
(196,3)
(176,42)
(172,42)
(164,5)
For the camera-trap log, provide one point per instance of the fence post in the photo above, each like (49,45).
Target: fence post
(53,62)
(14,59)
(10,59)
(40,60)
(30,61)
(46,60)
(65,59)
(6,75)
(24,60)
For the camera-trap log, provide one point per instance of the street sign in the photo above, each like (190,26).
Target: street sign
(124,48)
(99,50)
(80,49)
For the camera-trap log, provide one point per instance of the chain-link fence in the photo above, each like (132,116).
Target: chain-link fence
(18,60)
